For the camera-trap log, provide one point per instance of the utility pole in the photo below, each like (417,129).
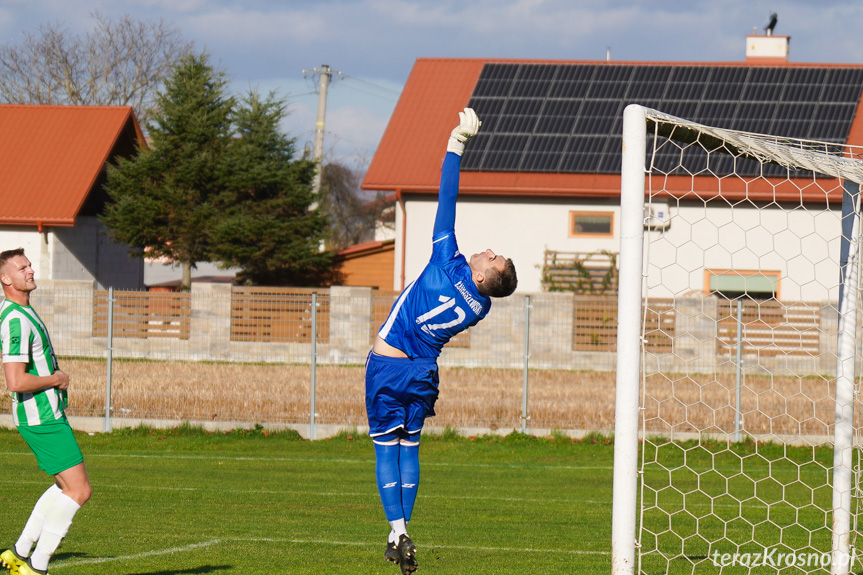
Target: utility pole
(325,73)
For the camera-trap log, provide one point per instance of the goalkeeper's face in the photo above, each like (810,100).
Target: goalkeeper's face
(485,261)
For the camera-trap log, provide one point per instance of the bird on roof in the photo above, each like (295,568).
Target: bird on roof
(771,24)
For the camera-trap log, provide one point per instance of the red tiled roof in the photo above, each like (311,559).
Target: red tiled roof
(412,148)
(409,156)
(52,156)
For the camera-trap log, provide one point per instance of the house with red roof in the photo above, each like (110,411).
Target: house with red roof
(52,168)
(369,264)
(543,175)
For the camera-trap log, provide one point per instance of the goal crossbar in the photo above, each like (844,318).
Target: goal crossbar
(788,153)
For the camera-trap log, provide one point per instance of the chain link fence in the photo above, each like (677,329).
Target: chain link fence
(235,356)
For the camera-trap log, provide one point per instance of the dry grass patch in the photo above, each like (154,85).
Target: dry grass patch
(492,398)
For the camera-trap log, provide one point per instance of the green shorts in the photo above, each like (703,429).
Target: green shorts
(54,446)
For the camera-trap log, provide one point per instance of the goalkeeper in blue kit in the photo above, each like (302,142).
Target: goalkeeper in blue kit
(450,295)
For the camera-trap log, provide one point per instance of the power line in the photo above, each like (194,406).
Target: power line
(289,95)
(389,98)
(396,92)
(342,76)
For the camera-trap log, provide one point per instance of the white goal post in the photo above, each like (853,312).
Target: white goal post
(736,449)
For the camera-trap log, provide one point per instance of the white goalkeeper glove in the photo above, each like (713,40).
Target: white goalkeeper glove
(467,128)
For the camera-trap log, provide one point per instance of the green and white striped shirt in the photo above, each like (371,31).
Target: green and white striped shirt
(24,339)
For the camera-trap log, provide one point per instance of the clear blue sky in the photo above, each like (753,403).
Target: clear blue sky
(268,43)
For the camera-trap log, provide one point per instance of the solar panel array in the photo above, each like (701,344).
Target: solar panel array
(567,118)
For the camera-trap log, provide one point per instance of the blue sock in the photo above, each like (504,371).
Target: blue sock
(409,468)
(389,480)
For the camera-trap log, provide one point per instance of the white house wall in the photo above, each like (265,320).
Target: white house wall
(802,245)
(13,237)
(518,230)
(79,252)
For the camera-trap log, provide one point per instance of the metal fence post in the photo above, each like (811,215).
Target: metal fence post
(524,415)
(109,360)
(313,432)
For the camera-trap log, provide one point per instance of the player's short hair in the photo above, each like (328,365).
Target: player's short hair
(500,284)
(9,254)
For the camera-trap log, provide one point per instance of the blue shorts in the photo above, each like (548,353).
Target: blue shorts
(400,393)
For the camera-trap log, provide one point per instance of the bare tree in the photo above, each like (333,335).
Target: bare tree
(121,62)
(352,219)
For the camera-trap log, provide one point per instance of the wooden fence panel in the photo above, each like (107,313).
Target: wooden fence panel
(270,314)
(770,328)
(594,323)
(143,314)
(659,325)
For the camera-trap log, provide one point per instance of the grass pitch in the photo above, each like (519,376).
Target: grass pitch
(188,502)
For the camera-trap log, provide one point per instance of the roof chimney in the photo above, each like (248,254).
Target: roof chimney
(768,48)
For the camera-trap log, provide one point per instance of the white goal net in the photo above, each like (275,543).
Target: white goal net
(735,442)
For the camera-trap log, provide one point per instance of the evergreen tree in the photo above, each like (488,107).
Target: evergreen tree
(165,199)
(270,225)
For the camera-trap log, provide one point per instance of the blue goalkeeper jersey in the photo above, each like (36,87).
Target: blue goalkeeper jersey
(443,300)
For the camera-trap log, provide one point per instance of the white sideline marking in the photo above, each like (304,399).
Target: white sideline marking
(369,461)
(424,546)
(193,546)
(374,495)
(371,493)
(74,562)
(809,467)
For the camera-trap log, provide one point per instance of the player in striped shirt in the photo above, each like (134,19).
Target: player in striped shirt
(450,295)
(39,400)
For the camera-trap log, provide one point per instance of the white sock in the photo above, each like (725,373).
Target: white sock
(37,518)
(399,527)
(57,523)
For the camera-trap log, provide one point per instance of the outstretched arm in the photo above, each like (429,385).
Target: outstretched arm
(467,128)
